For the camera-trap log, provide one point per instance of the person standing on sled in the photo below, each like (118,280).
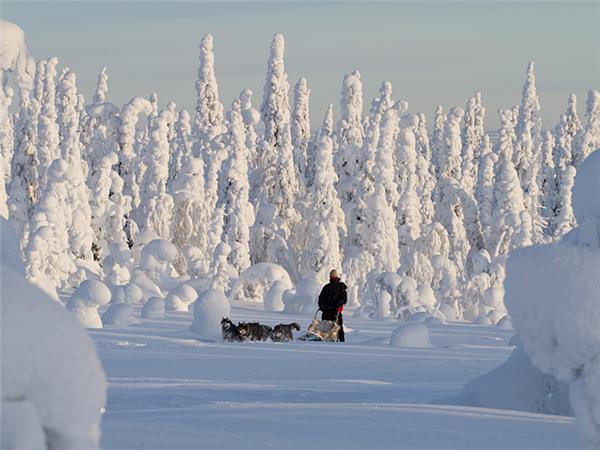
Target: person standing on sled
(332,299)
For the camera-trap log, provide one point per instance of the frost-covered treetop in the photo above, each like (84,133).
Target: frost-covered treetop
(15,56)
(102,87)
(529,110)
(209,110)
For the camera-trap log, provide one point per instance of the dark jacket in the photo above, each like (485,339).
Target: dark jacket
(333,295)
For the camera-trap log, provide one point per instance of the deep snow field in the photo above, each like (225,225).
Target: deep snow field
(168,390)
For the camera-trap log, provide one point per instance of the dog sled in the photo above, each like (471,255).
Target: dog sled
(321,330)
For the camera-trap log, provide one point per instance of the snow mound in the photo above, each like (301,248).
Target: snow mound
(410,335)
(62,390)
(254,282)
(303,298)
(552,296)
(534,392)
(180,298)
(209,309)
(154,308)
(273,299)
(129,293)
(86,300)
(120,314)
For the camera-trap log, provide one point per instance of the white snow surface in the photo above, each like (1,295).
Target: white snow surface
(410,335)
(167,389)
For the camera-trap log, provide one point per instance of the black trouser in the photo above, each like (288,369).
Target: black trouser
(330,314)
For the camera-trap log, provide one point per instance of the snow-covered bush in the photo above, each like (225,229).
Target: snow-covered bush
(128,293)
(410,335)
(552,296)
(209,309)
(254,282)
(53,384)
(180,298)
(85,301)
(154,308)
(120,314)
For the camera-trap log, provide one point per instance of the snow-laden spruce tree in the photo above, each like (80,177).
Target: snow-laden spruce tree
(23,190)
(565,217)
(484,190)
(156,206)
(313,145)
(549,190)
(47,128)
(277,178)
(129,160)
(511,227)
(101,205)
(181,147)
(238,211)
(529,126)
(565,133)
(325,221)
(79,224)
(48,260)
(190,224)
(300,126)
(208,121)
(349,139)
(425,171)
(251,118)
(6,131)
(527,152)
(472,133)
(451,198)
(382,103)
(588,138)
(437,138)
(101,87)
(408,216)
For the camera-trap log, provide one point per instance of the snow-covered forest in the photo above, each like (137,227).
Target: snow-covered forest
(418,211)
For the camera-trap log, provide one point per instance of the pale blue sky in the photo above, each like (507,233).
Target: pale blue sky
(432,52)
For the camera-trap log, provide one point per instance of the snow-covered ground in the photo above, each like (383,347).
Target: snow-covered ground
(168,390)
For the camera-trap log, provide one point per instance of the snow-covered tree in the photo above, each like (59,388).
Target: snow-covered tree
(47,131)
(588,138)
(239,212)
(425,171)
(300,127)
(472,133)
(510,225)
(381,103)
(326,130)
(101,87)
(23,189)
(6,131)
(349,139)
(549,190)
(437,140)
(484,190)
(565,219)
(208,122)
(251,118)
(181,147)
(408,218)
(156,207)
(325,222)
(129,160)
(565,132)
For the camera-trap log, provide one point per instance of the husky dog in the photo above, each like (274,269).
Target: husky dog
(230,332)
(283,332)
(254,331)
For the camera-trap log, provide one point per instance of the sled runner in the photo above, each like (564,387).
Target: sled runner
(321,330)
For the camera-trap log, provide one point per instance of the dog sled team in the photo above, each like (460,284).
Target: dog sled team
(332,299)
